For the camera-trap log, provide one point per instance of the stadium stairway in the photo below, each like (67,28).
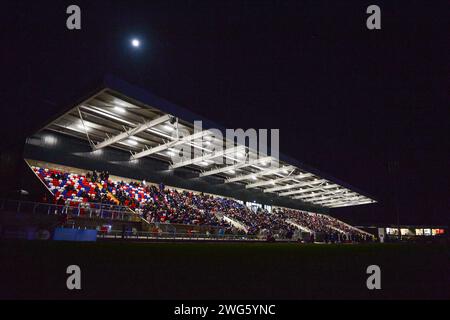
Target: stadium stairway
(298,226)
(110,195)
(357,230)
(117,202)
(234,223)
(337,229)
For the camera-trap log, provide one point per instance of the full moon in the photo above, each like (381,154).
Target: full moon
(135,43)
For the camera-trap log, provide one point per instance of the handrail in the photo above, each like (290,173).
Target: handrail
(81,208)
(107,211)
(299,226)
(235,222)
(115,234)
(346,224)
(103,205)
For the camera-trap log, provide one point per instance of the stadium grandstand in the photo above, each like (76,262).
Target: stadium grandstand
(106,162)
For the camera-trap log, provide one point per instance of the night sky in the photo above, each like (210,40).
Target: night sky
(347,100)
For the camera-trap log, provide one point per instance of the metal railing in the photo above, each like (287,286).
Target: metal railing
(163,231)
(79,209)
(143,235)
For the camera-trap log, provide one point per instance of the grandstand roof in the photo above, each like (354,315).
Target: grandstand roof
(122,116)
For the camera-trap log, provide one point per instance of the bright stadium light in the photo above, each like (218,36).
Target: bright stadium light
(119,109)
(168,127)
(132,142)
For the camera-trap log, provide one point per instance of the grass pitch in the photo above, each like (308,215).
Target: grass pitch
(127,270)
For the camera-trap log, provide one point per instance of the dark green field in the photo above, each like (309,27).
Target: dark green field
(222,270)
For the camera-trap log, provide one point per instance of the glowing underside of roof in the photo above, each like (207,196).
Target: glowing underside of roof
(110,119)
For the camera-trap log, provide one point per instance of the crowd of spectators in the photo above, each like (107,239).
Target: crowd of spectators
(159,204)
(261,221)
(332,228)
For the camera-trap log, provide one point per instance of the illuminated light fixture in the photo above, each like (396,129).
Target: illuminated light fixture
(254,177)
(82,127)
(98,152)
(285,171)
(119,109)
(204,163)
(50,139)
(132,142)
(232,171)
(168,128)
(170,153)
